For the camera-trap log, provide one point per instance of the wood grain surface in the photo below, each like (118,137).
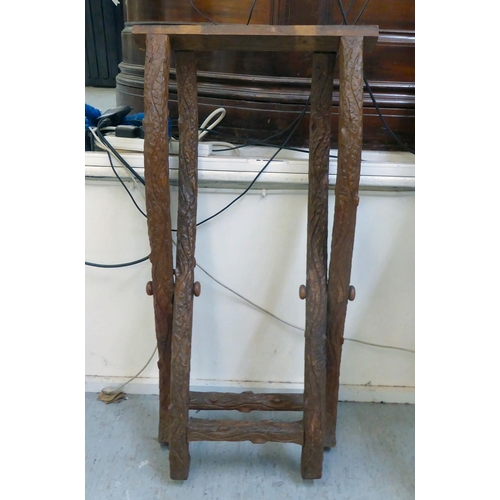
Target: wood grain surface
(326,294)
(257,432)
(185,263)
(246,401)
(317,254)
(344,221)
(239,81)
(156,174)
(259,38)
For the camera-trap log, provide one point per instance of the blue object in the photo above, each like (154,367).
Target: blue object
(133,120)
(92,117)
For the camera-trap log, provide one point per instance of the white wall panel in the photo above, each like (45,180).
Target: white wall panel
(257,247)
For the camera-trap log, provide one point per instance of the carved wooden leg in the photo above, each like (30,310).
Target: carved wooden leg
(316,284)
(185,263)
(158,208)
(346,202)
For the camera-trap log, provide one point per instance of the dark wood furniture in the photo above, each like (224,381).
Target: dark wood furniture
(326,290)
(264,93)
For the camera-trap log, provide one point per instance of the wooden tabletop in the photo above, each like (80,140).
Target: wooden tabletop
(207,37)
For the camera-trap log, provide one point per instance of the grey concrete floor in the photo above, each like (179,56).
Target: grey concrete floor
(374,458)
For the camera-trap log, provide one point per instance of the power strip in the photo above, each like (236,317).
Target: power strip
(126,143)
(204,148)
(136,144)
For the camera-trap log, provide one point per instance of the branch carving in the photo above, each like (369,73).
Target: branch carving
(344,223)
(259,432)
(245,402)
(156,173)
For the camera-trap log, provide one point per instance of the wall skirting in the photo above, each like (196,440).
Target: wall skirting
(353,393)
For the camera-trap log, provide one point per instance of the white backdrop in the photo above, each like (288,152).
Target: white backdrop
(257,248)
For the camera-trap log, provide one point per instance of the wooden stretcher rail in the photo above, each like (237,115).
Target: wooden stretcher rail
(326,299)
(258,432)
(259,38)
(245,401)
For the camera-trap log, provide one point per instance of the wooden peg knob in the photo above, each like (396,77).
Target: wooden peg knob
(302,292)
(197,289)
(149,288)
(352,293)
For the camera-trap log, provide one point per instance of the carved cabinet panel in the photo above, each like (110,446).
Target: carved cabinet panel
(264,94)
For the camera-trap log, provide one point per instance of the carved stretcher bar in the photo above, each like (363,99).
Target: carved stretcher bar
(326,291)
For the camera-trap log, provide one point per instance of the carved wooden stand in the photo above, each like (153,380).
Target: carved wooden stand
(326,299)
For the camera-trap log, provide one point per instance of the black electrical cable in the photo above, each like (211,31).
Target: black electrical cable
(350,7)
(295,124)
(344,16)
(123,184)
(283,146)
(276,134)
(107,266)
(377,109)
(361,11)
(111,266)
(298,120)
(138,177)
(212,21)
(251,12)
(391,133)
(263,142)
(125,164)
(201,13)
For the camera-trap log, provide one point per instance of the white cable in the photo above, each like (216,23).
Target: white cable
(286,322)
(289,324)
(205,126)
(109,390)
(380,345)
(247,300)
